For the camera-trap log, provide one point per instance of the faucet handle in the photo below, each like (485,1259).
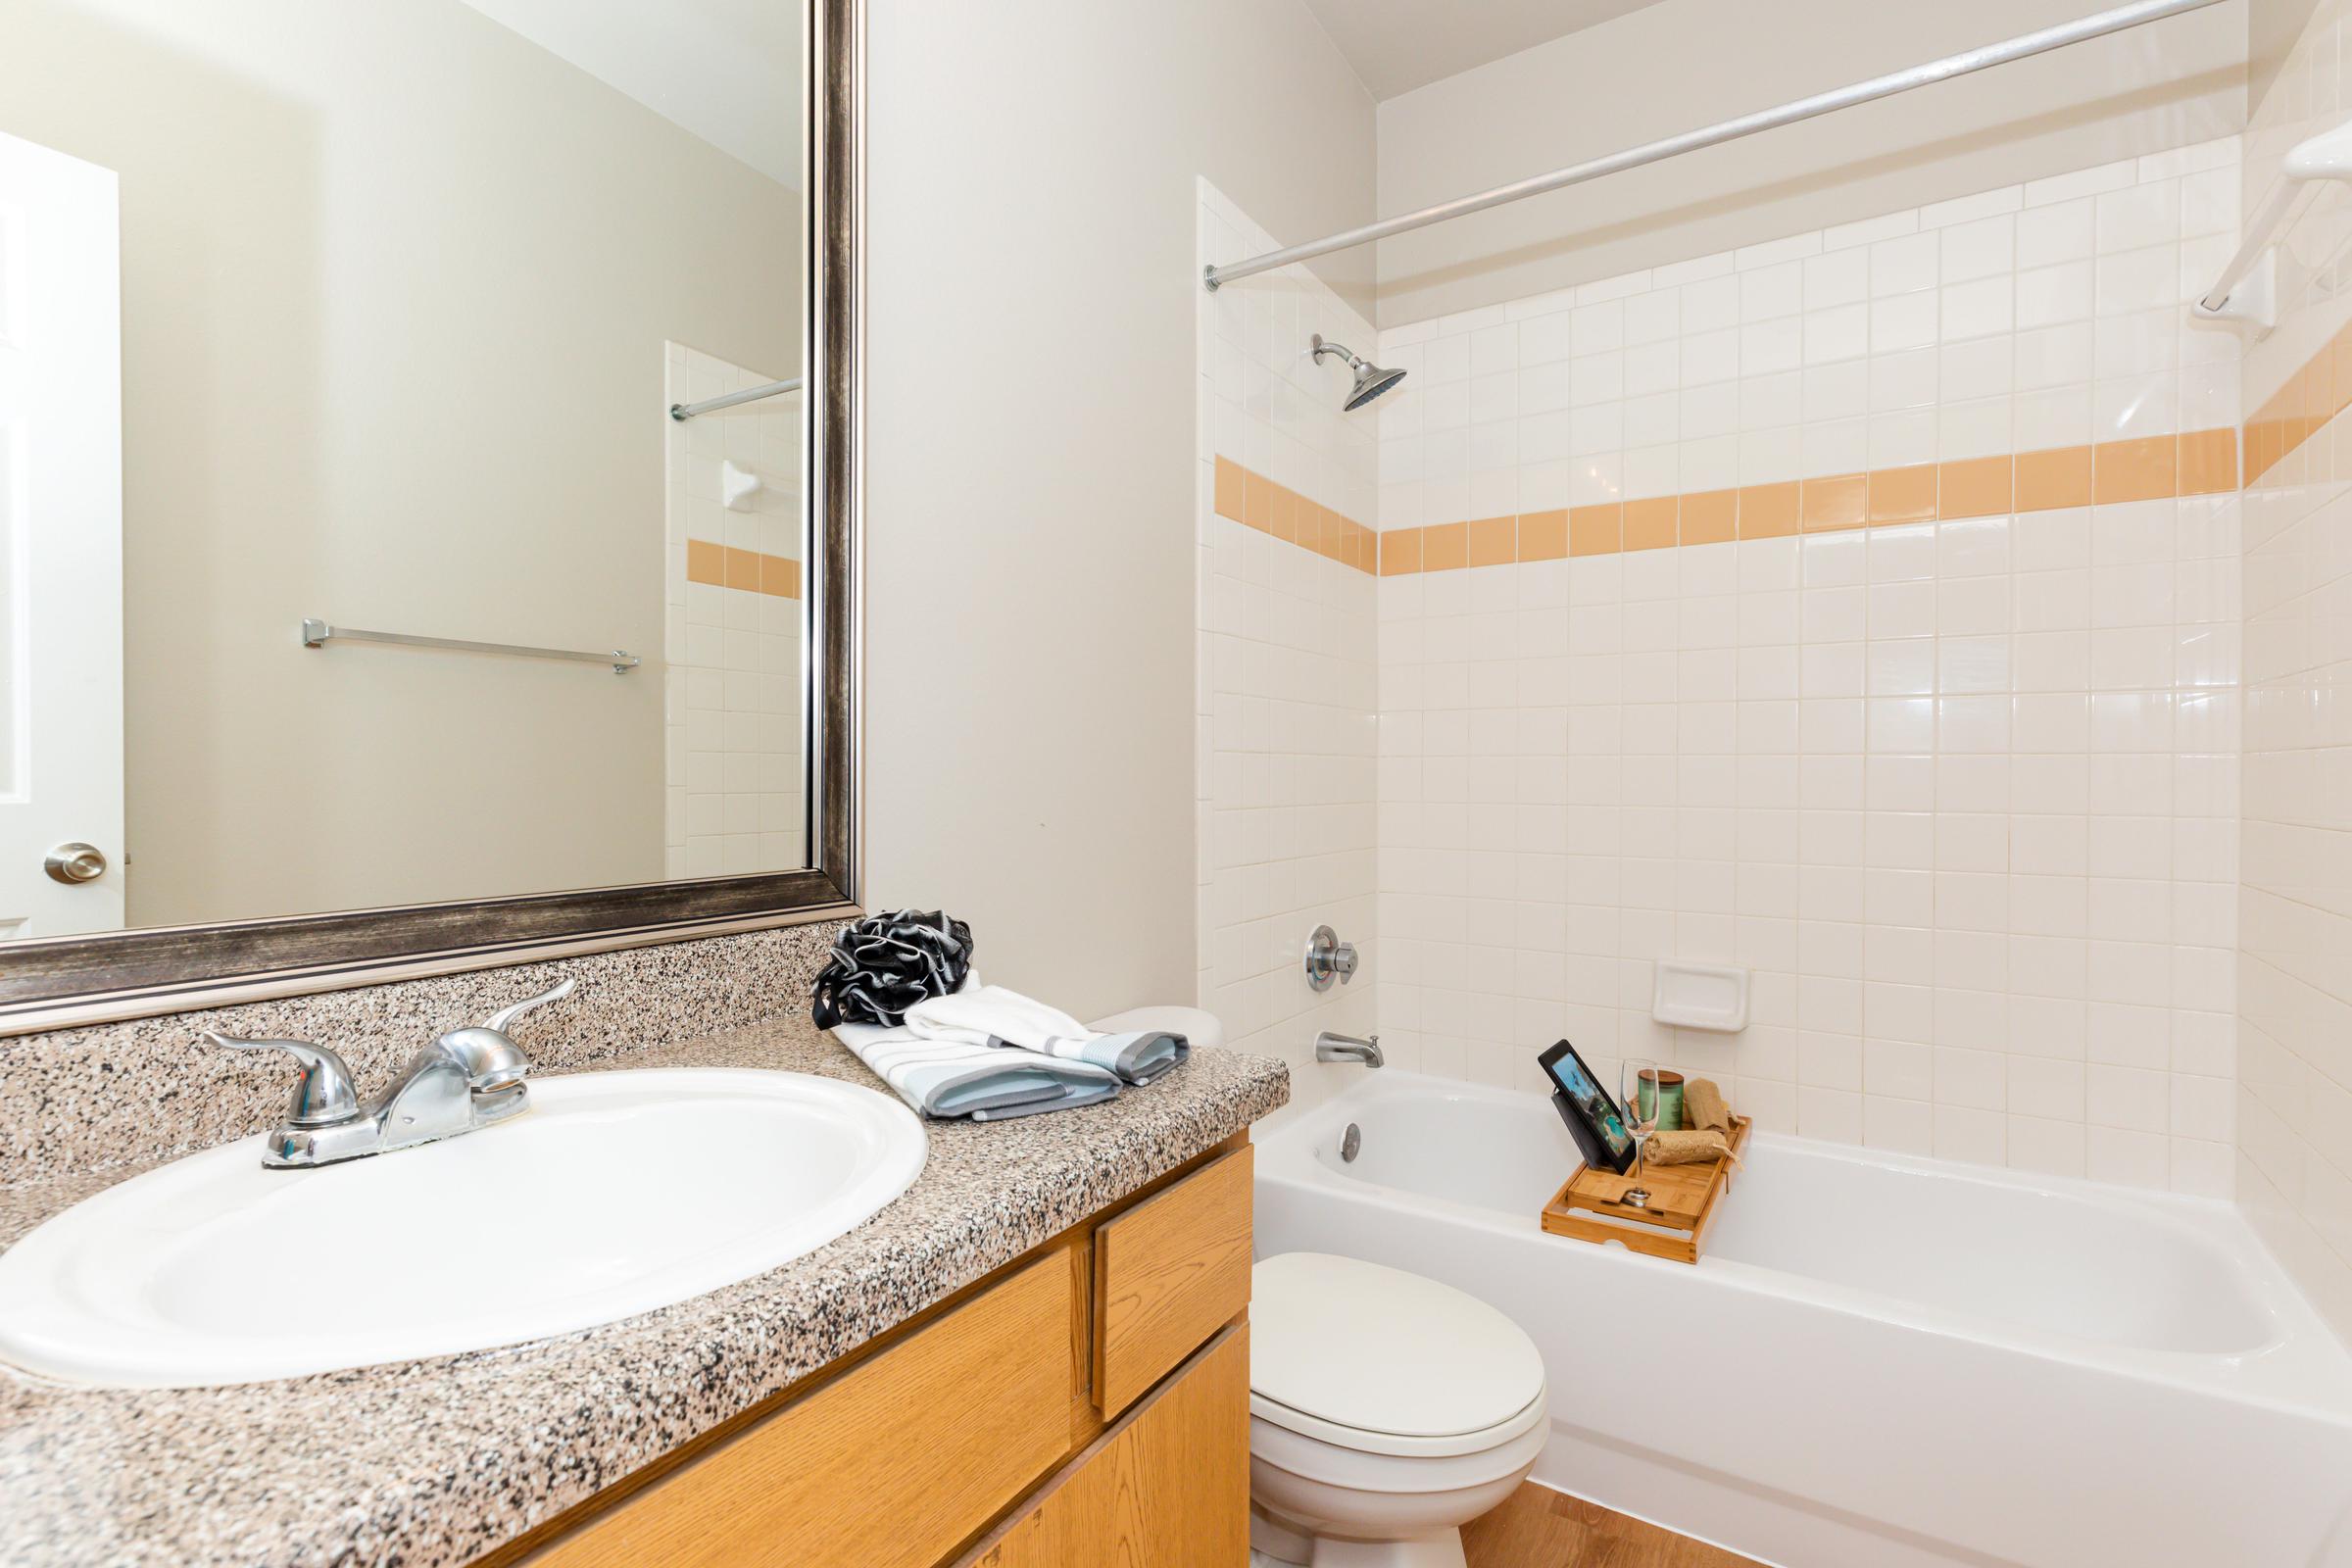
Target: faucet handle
(324,1095)
(506,1015)
(493,1062)
(1328,958)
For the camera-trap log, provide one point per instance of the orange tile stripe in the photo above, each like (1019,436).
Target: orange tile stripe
(2295,413)
(1257,502)
(726,567)
(2200,463)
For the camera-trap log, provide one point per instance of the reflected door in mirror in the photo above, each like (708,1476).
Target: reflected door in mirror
(61,547)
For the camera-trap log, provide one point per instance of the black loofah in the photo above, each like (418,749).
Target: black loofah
(886,963)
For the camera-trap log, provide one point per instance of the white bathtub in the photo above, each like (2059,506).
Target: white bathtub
(1881,1362)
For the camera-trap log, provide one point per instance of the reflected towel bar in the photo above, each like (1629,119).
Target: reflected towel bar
(687,411)
(317,634)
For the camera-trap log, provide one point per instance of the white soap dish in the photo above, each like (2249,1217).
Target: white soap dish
(1701,996)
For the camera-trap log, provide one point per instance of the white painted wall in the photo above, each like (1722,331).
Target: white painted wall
(1030,486)
(728,71)
(2272,29)
(396,285)
(1685,64)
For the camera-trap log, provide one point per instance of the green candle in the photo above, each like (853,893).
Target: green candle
(1666,1094)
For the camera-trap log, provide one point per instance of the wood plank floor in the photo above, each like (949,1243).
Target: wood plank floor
(1539,1528)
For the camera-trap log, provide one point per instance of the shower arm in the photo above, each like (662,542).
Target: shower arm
(1860,92)
(1323,346)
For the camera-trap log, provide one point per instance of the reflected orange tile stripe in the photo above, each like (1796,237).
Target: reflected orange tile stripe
(726,567)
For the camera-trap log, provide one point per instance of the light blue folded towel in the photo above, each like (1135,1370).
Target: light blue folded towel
(951,1079)
(993,1017)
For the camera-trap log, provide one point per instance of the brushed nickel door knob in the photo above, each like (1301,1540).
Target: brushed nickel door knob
(72,864)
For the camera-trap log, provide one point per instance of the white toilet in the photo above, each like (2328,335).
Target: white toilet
(1386,1411)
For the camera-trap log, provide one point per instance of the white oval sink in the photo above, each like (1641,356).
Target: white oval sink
(614,1194)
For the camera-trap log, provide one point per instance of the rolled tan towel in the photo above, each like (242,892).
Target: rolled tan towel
(1705,1108)
(1686,1149)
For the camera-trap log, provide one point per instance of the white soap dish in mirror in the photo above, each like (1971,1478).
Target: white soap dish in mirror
(1701,996)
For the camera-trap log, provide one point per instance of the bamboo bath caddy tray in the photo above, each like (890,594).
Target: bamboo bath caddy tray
(1683,1203)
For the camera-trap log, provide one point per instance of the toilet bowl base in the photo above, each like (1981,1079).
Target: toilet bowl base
(1279,1542)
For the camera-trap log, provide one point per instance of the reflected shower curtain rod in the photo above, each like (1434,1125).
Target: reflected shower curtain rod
(687,411)
(1860,92)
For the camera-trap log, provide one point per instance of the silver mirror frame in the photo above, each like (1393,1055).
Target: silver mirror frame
(59,982)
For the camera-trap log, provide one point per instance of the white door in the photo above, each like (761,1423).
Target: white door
(61,544)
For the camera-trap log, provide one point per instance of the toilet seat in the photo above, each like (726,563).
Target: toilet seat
(1380,1361)
(1356,1440)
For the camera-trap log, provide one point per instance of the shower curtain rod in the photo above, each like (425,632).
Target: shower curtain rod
(1860,92)
(687,411)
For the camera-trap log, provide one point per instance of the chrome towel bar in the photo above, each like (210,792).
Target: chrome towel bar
(318,633)
(687,411)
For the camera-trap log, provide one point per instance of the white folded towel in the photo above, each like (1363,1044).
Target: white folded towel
(951,1078)
(994,1017)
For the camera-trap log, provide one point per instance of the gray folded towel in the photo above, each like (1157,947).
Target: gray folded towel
(950,1079)
(991,1015)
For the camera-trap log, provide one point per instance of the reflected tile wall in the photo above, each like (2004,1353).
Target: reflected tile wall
(736,797)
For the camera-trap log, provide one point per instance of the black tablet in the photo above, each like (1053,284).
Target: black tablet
(1592,1117)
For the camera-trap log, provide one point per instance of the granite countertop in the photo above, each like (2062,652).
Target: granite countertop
(434,1463)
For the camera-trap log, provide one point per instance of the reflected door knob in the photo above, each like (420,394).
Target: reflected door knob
(72,864)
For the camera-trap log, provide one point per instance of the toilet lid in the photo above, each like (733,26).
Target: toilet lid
(1355,1345)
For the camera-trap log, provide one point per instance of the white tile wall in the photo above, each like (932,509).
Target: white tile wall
(1286,678)
(2294,1100)
(1963,794)
(1977,843)
(732,694)
(2045,314)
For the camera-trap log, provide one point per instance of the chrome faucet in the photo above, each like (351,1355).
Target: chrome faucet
(1346,1048)
(465,1080)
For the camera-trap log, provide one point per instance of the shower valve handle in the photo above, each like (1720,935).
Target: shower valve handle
(1328,958)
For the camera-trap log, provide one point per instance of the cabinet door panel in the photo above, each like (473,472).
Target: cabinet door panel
(1168,1273)
(889,1466)
(1167,1487)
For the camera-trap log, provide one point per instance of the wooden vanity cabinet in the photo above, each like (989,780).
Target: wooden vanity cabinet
(1087,1403)
(1168,1486)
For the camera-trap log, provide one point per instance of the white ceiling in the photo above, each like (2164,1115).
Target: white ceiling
(1398,45)
(728,71)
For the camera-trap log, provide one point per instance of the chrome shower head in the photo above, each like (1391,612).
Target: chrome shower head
(1370,379)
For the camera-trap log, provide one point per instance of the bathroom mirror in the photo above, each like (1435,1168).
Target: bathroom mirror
(423,476)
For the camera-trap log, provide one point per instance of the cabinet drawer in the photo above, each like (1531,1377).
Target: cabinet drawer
(891,1465)
(1166,1487)
(1168,1273)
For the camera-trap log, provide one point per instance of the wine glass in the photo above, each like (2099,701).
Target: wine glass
(1638,1088)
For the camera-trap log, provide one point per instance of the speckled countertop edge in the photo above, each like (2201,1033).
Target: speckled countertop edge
(431,1464)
